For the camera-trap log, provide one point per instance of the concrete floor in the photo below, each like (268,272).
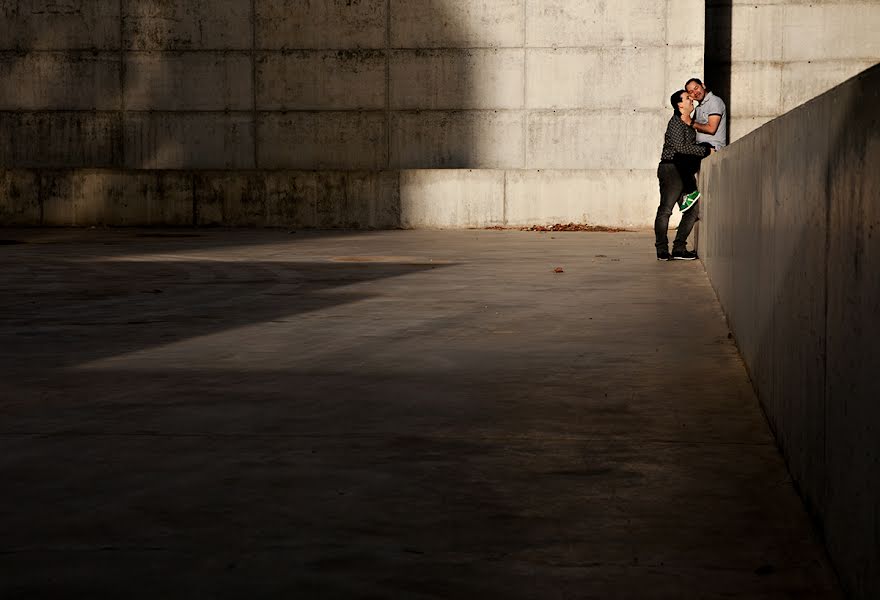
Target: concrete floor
(381,415)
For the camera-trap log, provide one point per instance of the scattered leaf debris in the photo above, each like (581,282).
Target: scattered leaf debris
(572,227)
(560,227)
(165,235)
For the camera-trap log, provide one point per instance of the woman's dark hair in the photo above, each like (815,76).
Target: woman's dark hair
(675,99)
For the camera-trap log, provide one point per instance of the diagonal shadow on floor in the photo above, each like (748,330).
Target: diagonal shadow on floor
(64,313)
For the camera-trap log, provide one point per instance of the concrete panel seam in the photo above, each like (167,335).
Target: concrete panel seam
(253,83)
(429,48)
(781,99)
(89,111)
(247,49)
(186,111)
(199,111)
(388,85)
(122,63)
(504,201)
(190,52)
(20,52)
(798,61)
(195,202)
(562,112)
(666,37)
(525,100)
(666,24)
(829,184)
(40,197)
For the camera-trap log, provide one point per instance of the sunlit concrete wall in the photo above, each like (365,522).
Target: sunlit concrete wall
(365,113)
(774,55)
(791,241)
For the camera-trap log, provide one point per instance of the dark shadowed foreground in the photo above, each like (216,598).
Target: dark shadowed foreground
(375,415)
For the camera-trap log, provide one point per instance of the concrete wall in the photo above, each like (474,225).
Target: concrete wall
(765,58)
(429,113)
(791,241)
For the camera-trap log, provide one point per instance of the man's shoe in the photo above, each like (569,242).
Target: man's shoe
(683,255)
(688,200)
(663,255)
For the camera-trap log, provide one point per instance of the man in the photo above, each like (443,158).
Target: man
(710,119)
(678,163)
(710,123)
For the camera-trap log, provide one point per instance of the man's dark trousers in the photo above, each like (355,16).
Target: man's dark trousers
(671,189)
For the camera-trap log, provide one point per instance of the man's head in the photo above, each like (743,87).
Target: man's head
(695,89)
(682,102)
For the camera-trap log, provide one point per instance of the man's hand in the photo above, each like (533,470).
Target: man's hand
(687,120)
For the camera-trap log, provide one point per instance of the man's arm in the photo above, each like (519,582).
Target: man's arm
(680,139)
(711,127)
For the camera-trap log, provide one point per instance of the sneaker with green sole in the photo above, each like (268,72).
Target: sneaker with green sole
(688,200)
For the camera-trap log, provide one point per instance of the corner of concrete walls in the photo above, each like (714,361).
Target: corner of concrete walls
(412,199)
(791,242)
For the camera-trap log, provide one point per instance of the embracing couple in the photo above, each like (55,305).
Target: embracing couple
(688,140)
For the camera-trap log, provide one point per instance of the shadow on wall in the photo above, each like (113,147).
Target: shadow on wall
(64,158)
(348,94)
(717,58)
(61,107)
(276,112)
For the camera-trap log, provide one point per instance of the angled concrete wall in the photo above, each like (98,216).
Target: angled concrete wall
(765,58)
(339,113)
(791,241)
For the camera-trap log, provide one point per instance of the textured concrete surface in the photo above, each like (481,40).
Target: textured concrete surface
(377,85)
(409,199)
(768,57)
(790,240)
(372,85)
(390,414)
